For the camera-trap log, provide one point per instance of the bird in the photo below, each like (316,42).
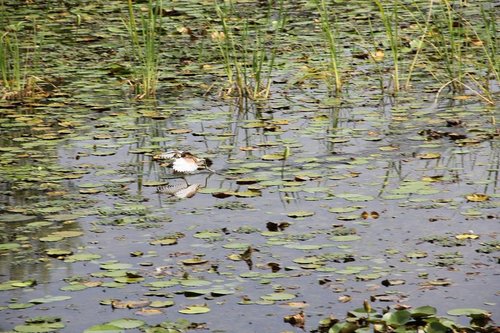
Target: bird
(184,161)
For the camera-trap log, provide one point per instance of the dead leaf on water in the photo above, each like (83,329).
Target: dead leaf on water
(296,320)
(477,197)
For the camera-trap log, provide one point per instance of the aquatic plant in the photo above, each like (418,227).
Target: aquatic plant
(331,36)
(405,319)
(145,44)
(249,56)
(391,22)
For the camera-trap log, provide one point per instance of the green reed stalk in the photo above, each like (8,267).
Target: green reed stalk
(227,48)
(248,59)
(420,44)
(391,30)
(331,40)
(10,61)
(491,40)
(145,45)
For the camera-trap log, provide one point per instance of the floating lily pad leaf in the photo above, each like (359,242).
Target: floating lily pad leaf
(23,284)
(20,306)
(115,266)
(16,218)
(39,327)
(194,261)
(9,246)
(221,292)
(393,282)
(351,217)
(416,255)
(126,323)
(273,297)
(236,246)
(73,287)
(468,312)
(67,234)
(164,241)
(423,311)
(163,284)
(154,183)
(49,299)
(103,328)
(58,252)
(367,277)
(352,270)
(305,247)
(348,209)
(82,257)
(208,235)
(398,318)
(161,304)
(195,309)
(345,238)
(300,213)
(273,157)
(103,152)
(90,185)
(130,304)
(125,180)
(247,194)
(50,238)
(129,279)
(354,197)
(429,156)
(195,283)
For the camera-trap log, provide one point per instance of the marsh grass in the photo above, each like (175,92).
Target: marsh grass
(331,35)
(490,41)
(144,37)
(248,51)
(10,61)
(17,79)
(391,25)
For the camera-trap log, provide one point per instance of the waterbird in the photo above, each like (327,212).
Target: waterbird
(184,161)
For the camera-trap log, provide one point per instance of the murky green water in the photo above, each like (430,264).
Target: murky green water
(389,198)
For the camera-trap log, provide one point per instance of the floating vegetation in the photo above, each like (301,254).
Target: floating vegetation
(340,152)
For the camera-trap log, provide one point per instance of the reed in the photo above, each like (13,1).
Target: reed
(331,36)
(249,56)
(490,41)
(10,61)
(144,38)
(391,22)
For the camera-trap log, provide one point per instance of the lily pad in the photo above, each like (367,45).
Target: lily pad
(195,309)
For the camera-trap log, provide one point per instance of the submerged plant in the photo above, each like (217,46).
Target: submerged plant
(145,44)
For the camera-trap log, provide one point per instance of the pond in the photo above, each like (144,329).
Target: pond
(316,201)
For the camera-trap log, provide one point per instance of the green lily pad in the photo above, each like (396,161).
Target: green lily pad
(467,312)
(195,309)
(103,328)
(300,213)
(49,299)
(278,297)
(126,323)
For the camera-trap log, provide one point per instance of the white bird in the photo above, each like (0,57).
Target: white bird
(184,162)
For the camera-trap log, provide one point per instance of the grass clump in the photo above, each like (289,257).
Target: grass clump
(144,37)
(334,80)
(248,50)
